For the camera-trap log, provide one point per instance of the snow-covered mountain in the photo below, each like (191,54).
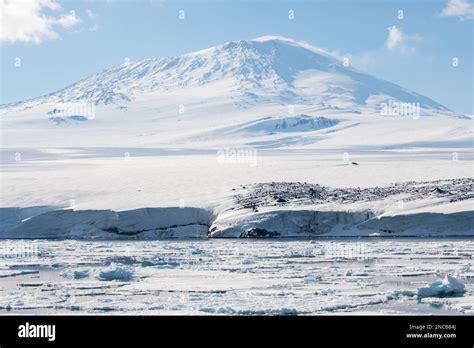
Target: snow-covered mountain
(268,81)
(267,68)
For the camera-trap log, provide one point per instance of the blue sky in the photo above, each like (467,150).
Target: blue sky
(416,52)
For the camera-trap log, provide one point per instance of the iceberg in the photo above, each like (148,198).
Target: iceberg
(449,286)
(115,272)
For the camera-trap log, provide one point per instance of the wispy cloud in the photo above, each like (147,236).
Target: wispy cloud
(31,21)
(90,14)
(397,44)
(398,40)
(463,9)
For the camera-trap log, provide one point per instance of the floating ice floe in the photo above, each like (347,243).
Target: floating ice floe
(115,272)
(399,293)
(9,273)
(248,261)
(311,279)
(326,292)
(449,286)
(77,274)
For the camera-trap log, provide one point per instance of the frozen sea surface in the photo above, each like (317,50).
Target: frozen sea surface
(238,277)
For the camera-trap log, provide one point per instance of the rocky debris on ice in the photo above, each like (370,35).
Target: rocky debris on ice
(302,193)
(290,209)
(449,286)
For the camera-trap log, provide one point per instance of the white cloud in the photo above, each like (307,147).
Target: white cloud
(398,44)
(90,14)
(32,21)
(397,39)
(67,21)
(463,9)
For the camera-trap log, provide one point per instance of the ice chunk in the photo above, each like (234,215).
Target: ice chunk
(311,279)
(326,292)
(248,261)
(115,272)
(77,274)
(399,293)
(449,286)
